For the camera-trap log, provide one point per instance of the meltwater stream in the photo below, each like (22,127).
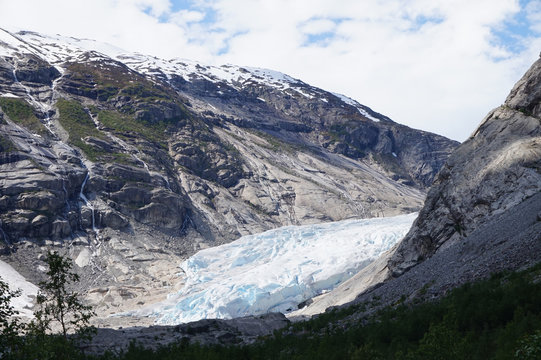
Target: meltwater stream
(87,202)
(276,270)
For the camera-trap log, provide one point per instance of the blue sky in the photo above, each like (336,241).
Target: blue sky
(437,65)
(514,31)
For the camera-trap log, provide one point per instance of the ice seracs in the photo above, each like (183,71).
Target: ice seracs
(277,270)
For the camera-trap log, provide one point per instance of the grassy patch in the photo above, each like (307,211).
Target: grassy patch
(21,113)
(127,127)
(6,145)
(76,121)
(112,80)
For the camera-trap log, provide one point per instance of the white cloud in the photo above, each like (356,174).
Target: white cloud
(184,17)
(317,26)
(430,64)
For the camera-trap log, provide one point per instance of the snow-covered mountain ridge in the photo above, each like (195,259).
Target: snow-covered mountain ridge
(58,50)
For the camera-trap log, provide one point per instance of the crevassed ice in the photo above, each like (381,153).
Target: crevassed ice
(278,269)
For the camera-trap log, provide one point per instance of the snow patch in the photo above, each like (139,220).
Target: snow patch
(23,303)
(302,92)
(278,269)
(8,95)
(355,104)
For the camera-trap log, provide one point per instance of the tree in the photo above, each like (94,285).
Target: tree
(530,347)
(57,303)
(10,327)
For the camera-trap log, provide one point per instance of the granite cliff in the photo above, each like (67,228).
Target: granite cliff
(496,169)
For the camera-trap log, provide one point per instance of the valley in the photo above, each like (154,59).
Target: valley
(201,203)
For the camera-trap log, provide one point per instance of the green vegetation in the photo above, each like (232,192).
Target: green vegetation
(21,112)
(77,122)
(143,90)
(498,318)
(127,127)
(56,304)
(113,80)
(140,105)
(10,327)
(6,145)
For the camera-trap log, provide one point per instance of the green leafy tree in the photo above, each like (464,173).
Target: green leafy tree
(10,326)
(530,347)
(58,303)
(58,306)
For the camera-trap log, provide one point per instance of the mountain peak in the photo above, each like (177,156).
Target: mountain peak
(526,94)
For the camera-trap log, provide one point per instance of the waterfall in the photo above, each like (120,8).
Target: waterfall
(15,75)
(87,202)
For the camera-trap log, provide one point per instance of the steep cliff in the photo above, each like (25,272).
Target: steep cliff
(497,168)
(482,214)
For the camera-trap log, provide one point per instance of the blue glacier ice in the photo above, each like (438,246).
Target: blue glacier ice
(277,269)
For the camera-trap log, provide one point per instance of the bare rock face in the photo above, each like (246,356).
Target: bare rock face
(526,94)
(36,71)
(129,164)
(35,200)
(498,167)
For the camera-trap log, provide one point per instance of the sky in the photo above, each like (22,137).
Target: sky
(436,65)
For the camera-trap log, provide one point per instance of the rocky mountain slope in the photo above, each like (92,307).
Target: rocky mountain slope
(482,214)
(131,163)
(497,168)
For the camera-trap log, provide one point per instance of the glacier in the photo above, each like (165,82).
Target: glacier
(276,270)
